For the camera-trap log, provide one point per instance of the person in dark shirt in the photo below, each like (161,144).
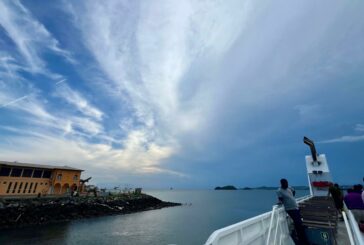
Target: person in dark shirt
(335,192)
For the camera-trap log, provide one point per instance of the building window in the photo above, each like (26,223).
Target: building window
(4,182)
(75,178)
(16,172)
(46,183)
(35,187)
(9,186)
(27,172)
(4,171)
(25,187)
(30,187)
(59,177)
(37,173)
(20,186)
(47,174)
(16,184)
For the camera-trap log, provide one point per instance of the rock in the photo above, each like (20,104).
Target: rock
(23,212)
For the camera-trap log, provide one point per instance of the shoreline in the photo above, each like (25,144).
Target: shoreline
(18,212)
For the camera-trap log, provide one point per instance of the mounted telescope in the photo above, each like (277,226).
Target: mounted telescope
(310,143)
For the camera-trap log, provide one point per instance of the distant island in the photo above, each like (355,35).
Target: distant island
(231,187)
(273,188)
(227,187)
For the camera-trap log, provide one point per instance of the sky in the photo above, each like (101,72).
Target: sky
(183,94)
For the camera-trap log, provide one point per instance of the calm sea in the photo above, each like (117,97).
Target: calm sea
(192,223)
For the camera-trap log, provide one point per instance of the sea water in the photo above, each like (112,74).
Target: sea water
(202,212)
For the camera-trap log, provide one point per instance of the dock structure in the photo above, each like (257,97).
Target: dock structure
(28,179)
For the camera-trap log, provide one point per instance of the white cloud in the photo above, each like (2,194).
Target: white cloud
(132,55)
(34,107)
(60,137)
(76,99)
(13,101)
(345,139)
(348,138)
(29,35)
(146,52)
(359,127)
(85,124)
(48,147)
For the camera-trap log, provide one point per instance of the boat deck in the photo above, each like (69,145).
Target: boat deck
(342,234)
(323,221)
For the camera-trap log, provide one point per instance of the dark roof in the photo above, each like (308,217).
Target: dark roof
(32,165)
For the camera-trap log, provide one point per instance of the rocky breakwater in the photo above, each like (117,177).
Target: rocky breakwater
(34,211)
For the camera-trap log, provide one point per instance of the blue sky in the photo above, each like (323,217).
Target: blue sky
(184,94)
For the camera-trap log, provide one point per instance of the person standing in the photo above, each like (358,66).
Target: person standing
(335,192)
(286,197)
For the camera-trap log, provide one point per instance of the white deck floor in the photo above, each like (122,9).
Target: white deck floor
(342,235)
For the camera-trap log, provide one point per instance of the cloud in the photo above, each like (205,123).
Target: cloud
(29,35)
(32,106)
(150,78)
(61,81)
(14,101)
(47,146)
(359,127)
(47,135)
(348,138)
(76,99)
(133,59)
(345,139)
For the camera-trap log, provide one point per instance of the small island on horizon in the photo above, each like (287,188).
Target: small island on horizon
(227,187)
(231,187)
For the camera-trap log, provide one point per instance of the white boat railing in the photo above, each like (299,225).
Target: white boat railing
(353,228)
(268,228)
(348,229)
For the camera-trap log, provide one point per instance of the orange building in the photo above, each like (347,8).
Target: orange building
(18,179)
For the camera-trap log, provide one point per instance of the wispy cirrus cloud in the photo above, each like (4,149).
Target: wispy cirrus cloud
(13,101)
(348,138)
(151,79)
(29,35)
(44,128)
(76,99)
(344,139)
(359,127)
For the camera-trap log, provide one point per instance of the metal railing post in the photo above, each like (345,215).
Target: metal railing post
(348,228)
(271,223)
(276,231)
